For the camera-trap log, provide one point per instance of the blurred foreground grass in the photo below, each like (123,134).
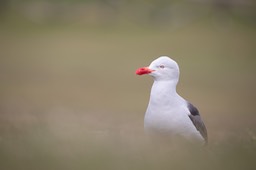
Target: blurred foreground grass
(70,98)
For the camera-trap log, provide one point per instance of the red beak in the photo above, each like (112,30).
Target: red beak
(143,70)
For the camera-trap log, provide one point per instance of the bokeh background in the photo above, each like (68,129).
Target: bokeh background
(70,99)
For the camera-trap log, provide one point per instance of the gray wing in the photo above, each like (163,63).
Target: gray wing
(197,121)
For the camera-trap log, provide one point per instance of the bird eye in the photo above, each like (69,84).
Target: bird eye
(161,66)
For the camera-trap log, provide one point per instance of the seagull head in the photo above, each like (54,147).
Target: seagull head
(163,68)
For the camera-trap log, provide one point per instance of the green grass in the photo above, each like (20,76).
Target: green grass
(70,98)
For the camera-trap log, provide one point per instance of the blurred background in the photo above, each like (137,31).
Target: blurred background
(70,99)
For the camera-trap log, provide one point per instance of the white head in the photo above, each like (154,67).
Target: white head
(161,69)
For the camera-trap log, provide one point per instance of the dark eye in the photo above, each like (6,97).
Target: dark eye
(161,66)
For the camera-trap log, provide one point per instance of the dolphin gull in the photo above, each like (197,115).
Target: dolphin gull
(167,111)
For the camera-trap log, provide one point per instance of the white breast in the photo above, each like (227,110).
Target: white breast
(168,113)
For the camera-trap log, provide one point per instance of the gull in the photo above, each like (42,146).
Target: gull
(167,112)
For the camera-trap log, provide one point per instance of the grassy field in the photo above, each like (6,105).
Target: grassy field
(70,98)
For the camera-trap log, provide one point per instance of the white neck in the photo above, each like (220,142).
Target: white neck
(163,93)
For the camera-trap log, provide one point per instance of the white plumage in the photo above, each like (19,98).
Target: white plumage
(167,111)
